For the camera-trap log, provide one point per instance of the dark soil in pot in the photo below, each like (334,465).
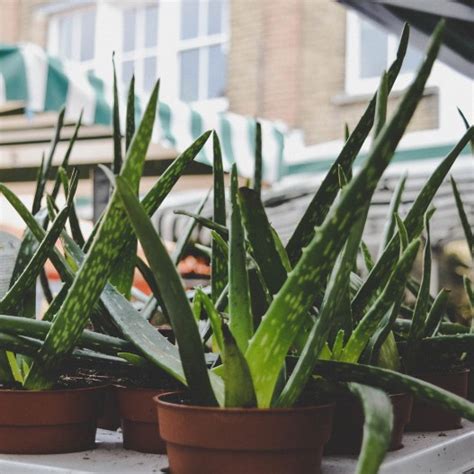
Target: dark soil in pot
(428,417)
(50,421)
(139,419)
(347,433)
(204,440)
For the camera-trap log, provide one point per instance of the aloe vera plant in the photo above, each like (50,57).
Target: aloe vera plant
(267,301)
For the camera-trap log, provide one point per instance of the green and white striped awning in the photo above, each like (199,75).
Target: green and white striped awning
(45,83)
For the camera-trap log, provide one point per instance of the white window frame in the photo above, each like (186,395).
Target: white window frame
(354,83)
(204,40)
(141,52)
(109,37)
(53,36)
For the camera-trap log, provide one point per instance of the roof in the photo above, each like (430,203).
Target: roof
(423,15)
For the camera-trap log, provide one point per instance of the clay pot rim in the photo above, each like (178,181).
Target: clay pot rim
(270,411)
(442,372)
(26,393)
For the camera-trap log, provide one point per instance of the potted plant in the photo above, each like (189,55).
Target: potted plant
(233,407)
(429,353)
(87,298)
(62,418)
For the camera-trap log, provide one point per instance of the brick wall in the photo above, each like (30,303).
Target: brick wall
(287,62)
(20,21)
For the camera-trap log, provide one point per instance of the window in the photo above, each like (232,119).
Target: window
(202,49)
(139,54)
(184,41)
(75,36)
(369,51)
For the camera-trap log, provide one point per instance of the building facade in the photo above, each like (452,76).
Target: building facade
(311,64)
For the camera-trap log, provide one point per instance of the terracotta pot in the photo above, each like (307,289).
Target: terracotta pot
(204,440)
(139,420)
(110,418)
(428,417)
(348,425)
(50,421)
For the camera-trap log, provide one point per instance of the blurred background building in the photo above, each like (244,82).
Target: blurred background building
(310,66)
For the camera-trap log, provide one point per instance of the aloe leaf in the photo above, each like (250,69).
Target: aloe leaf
(15,369)
(463,217)
(436,313)
(65,162)
(257,176)
(402,232)
(414,225)
(214,318)
(185,237)
(117,136)
(241,319)
(173,294)
(93,274)
(70,190)
(338,345)
(168,179)
(132,325)
(378,425)
(221,244)
(390,224)
(319,207)
(393,382)
(347,132)
(208,223)
(46,164)
(262,240)
(239,391)
(130,114)
(37,329)
(469,289)
(402,326)
(368,260)
(30,347)
(446,344)
(422,303)
(35,265)
(391,294)
(219,275)
(335,313)
(466,124)
(268,348)
(124,271)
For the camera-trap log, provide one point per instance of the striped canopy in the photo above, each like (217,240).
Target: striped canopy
(45,83)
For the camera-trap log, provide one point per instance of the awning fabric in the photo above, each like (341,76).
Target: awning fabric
(45,83)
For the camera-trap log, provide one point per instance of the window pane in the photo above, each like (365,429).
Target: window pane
(189,69)
(151,26)
(87,35)
(373,50)
(149,73)
(127,71)
(214,17)
(65,37)
(189,19)
(412,60)
(129,19)
(217,72)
